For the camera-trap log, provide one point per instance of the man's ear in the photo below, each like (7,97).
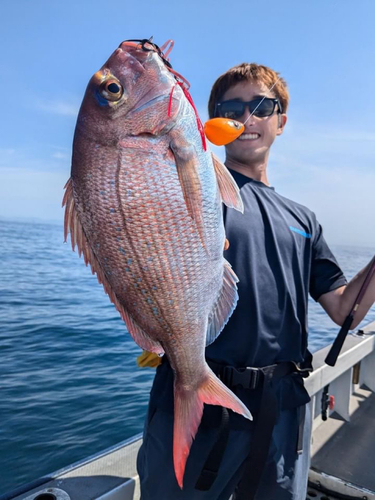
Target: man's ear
(282,119)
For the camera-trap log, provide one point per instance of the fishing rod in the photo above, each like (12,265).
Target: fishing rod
(341,336)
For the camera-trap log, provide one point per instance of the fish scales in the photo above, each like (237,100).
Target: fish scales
(179,262)
(177,254)
(144,206)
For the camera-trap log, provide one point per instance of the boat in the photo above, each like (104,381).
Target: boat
(343,445)
(342,439)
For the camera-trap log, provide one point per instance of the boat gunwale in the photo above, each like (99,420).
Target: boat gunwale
(24,488)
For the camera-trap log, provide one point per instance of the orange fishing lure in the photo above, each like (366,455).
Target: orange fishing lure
(222,131)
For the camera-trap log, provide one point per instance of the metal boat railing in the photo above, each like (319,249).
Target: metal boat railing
(356,359)
(350,382)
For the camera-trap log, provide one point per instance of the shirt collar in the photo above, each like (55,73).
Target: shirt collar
(241,180)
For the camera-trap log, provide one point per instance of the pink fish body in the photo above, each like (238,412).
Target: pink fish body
(143,206)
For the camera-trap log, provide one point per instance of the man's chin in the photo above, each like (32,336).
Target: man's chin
(245,154)
(249,157)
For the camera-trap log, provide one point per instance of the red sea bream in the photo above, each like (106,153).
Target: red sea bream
(143,206)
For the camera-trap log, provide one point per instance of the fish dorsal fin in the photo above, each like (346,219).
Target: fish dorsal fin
(230,194)
(224,306)
(73,226)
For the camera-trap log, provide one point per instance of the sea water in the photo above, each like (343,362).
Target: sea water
(69,384)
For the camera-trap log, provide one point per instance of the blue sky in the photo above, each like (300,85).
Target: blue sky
(323,48)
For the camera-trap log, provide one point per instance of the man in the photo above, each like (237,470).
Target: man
(279,254)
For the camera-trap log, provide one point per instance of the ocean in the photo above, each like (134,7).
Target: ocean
(69,385)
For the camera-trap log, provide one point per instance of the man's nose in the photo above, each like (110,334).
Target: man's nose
(247,118)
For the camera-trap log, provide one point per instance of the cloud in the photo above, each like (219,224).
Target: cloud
(342,199)
(326,141)
(7,152)
(39,158)
(332,172)
(60,155)
(63,108)
(25,192)
(327,170)
(345,136)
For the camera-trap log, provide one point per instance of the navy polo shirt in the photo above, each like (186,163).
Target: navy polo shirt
(278,251)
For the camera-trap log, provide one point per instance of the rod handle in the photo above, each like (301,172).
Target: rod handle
(339,340)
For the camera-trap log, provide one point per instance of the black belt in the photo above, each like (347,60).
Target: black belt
(248,378)
(251,378)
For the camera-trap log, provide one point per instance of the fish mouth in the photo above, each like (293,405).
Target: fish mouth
(140,55)
(136,52)
(138,49)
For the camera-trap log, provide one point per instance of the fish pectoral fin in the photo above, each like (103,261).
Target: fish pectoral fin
(224,306)
(229,192)
(187,170)
(140,337)
(73,225)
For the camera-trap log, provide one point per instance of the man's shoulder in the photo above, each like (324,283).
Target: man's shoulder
(273,202)
(295,206)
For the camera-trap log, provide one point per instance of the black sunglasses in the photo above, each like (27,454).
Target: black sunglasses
(260,107)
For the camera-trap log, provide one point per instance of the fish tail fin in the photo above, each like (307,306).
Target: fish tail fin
(188,410)
(214,392)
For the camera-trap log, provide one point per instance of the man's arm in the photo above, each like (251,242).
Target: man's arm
(339,302)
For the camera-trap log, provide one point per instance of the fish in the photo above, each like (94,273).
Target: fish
(143,205)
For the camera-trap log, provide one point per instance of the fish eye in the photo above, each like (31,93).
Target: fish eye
(111,90)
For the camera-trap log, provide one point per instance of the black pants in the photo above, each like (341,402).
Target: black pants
(284,477)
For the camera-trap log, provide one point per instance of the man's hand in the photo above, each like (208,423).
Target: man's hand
(339,302)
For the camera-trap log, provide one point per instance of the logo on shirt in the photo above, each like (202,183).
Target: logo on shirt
(299,231)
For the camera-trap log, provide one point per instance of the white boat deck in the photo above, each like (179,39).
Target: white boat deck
(347,449)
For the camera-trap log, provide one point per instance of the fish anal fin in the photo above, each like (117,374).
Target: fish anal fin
(188,410)
(140,336)
(224,306)
(229,192)
(187,169)
(78,238)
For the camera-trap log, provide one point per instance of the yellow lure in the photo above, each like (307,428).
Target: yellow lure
(148,360)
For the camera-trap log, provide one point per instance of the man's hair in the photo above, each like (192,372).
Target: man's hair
(248,72)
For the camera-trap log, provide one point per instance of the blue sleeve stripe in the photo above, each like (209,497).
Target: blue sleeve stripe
(299,231)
